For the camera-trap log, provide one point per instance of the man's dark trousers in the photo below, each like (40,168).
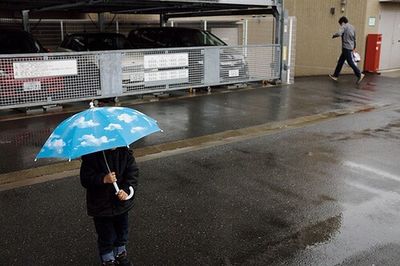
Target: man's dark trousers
(112,232)
(346,56)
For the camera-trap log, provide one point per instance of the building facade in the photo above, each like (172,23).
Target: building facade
(317,52)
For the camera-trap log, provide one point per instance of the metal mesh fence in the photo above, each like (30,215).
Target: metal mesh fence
(153,70)
(241,64)
(43,79)
(29,80)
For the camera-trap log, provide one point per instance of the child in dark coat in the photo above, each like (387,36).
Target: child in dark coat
(110,210)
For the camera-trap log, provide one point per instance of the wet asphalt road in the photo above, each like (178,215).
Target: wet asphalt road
(21,140)
(325,194)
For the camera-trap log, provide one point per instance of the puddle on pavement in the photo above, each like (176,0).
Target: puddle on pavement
(282,250)
(390,131)
(317,233)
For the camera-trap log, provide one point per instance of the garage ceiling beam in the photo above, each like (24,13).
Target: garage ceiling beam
(132,6)
(152,9)
(69,6)
(263,11)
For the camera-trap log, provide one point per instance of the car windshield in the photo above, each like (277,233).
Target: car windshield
(173,37)
(154,38)
(17,43)
(111,42)
(97,42)
(200,38)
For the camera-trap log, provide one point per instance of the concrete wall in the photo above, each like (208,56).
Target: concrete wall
(316,51)
(260,28)
(372,11)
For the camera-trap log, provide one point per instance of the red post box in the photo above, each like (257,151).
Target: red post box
(373,53)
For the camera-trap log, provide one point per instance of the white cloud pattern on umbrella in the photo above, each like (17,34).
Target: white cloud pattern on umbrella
(112,109)
(54,136)
(137,129)
(57,145)
(83,123)
(112,127)
(90,140)
(127,118)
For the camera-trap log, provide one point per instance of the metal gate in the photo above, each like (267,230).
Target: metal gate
(56,78)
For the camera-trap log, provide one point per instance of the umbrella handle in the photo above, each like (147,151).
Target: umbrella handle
(115,183)
(132,192)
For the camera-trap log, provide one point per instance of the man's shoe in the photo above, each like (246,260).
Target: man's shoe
(360,78)
(122,259)
(109,263)
(333,77)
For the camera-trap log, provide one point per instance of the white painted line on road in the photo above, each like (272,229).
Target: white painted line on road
(372,170)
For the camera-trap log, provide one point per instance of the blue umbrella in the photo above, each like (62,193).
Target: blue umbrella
(97,129)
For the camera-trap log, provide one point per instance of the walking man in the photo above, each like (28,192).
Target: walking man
(348,34)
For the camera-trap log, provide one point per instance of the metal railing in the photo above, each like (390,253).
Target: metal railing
(56,78)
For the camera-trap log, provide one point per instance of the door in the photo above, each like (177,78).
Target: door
(390,28)
(396,43)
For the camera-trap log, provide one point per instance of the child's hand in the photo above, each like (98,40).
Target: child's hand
(122,195)
(110,178)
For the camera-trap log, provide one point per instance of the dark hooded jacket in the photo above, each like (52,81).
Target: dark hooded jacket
(100,198)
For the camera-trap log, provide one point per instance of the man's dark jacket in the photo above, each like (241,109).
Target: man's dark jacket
(100,198)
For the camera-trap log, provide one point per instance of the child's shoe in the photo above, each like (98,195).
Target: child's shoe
(122,259)
(109,263)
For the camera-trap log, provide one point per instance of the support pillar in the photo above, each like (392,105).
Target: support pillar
(163,20)
(100,21)
(25,20)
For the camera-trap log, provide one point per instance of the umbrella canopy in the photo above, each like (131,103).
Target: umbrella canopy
(97,129)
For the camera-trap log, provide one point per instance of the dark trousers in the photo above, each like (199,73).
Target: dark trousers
(346,56)
(112,232)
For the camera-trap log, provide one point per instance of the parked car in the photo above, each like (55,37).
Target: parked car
(132,70)
(172,37)
(18,42)
(98,41)
(23,90)
(89,69)
(233,65)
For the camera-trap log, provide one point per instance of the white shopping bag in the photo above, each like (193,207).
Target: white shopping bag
(356,56)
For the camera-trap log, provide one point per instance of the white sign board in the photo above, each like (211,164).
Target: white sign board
(32,86)
(234,73)
(371,21)
(166,60)
(177,74)
(38,69)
